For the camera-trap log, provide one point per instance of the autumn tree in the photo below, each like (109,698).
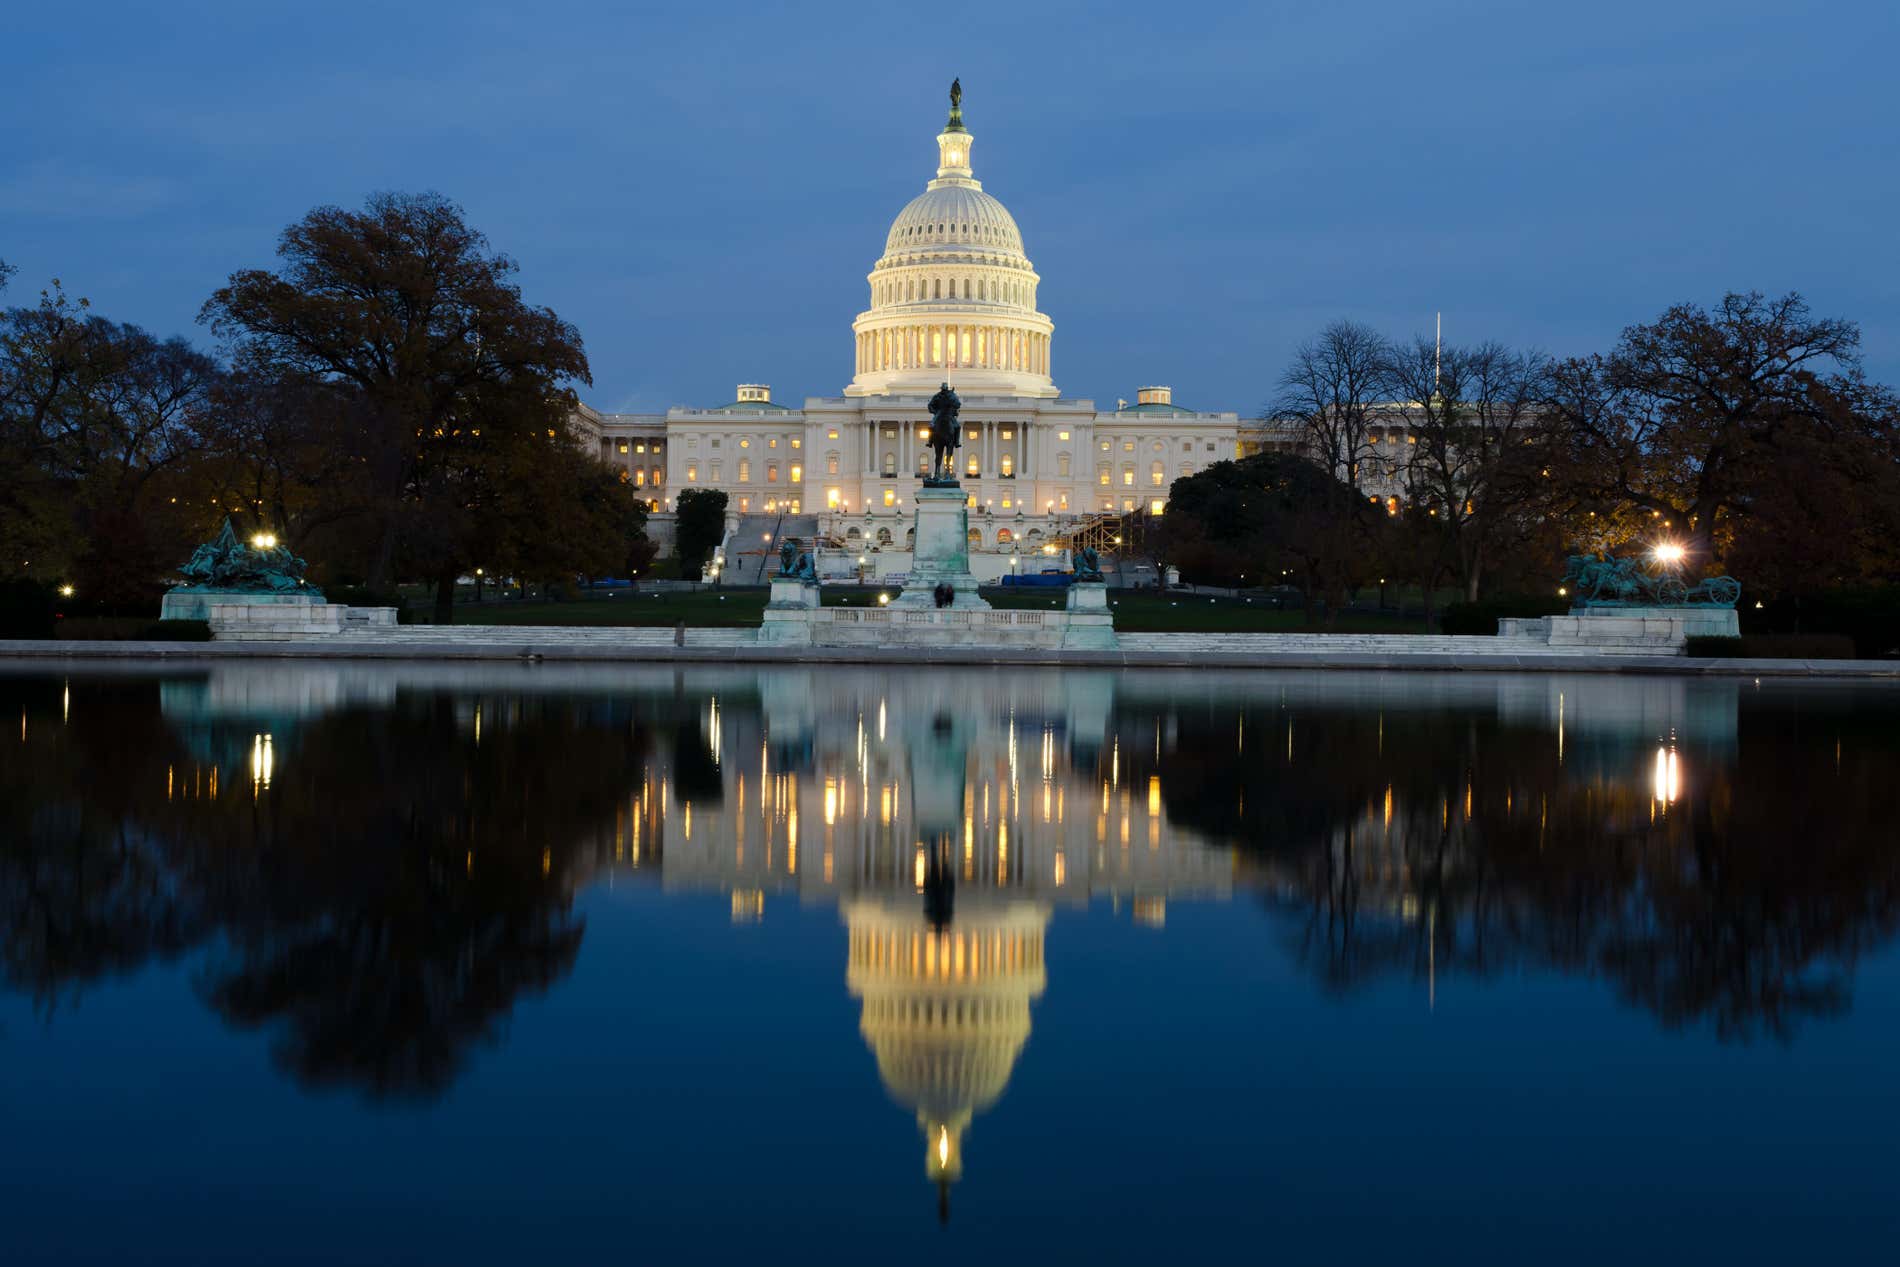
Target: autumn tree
(461,378)
(98,421)
(1669,431)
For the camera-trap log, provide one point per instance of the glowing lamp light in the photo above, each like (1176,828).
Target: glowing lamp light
(1669,553)
(66,591)
(883,600)
(264,541)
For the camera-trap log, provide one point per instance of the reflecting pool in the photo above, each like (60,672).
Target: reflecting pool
(480,963)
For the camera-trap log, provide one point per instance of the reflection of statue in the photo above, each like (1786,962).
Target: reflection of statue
(794,562)
(1086,563)
(226,563)
(945,436)
(1613,582)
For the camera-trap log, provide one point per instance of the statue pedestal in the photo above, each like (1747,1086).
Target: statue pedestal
(191,602)
(1655,630)
(941,552)
(1090,627)
(788,612)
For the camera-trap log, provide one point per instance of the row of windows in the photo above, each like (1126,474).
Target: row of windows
(745,442)
(1157,475)
(983,289)
(1128,446)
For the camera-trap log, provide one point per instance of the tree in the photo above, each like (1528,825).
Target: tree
(1668,431)
(1469,413)
(95,418)
(1336,389)
(404,302)
(699,526)
(1269,515)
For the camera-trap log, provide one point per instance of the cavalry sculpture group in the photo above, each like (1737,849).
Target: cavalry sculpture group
(1612,582)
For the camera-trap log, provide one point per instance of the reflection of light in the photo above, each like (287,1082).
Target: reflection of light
(831,802)
(1668,776)
(1154,795)
(920,868)
(263,761)
(943,1146)
(1062,869)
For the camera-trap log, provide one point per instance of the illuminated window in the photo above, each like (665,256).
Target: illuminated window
(797,443)
(1009,433)
(1062,435)
(1101,476)
(745,442)
(1004,536)
(1104,446)
(973,432)
(1062,503)
(772,443)
(890,497)
(1156,507)
(1128,446)
(745,471)
(639,477)
(692,472)
(745,504)
(1155,475)
(771,473)
(832,434)
(623,446)
(1128,476)
(923,433)
(1008,463)
(890,432)
(1007,503)
(831,498)
(640,448)
(831,463)
(798,473)
(1062,465)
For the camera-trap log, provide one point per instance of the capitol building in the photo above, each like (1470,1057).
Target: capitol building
(952,297)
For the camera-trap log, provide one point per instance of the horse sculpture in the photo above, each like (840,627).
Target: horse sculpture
(945,436)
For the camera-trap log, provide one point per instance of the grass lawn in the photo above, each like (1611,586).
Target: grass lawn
(1134,612)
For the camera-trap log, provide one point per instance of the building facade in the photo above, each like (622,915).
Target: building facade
(953,297)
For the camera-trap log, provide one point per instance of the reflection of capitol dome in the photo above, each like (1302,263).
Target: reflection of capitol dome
(946,1012)
(953,295)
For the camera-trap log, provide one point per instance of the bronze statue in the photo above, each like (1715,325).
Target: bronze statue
(794,562)
(1624,582)
(956,93)
(945,437)
(1086,564)
(228,564)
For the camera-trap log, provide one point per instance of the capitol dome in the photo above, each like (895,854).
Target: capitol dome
(953,297)
(954,216)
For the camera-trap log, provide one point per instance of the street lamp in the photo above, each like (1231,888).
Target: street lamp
(1669,554)
(66,591)
(264,541)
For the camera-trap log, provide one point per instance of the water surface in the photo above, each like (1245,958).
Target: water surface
(358,963)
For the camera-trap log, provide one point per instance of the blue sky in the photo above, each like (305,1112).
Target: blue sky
(701,188)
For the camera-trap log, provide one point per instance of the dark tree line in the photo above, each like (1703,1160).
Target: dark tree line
(385,401)
(1747,433)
